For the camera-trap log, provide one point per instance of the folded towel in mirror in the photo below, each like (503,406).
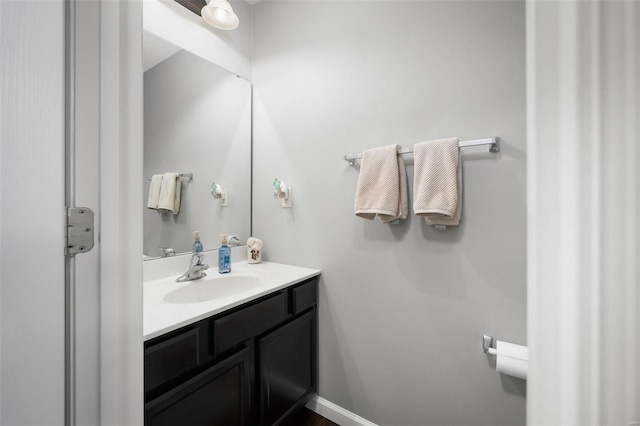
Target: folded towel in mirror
(154,192)
(170,190)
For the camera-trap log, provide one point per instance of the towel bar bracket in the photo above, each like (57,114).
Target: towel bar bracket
(351,161)
(495,146)
(487,343)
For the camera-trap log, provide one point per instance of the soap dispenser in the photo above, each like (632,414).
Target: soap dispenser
(197,245)
(224,256)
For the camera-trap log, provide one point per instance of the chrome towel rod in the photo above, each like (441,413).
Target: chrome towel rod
(182,175)
(494,143)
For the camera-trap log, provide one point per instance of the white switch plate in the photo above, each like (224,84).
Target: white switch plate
(286,202)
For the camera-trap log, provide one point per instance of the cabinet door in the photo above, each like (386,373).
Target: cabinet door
(288,367)
(219,395)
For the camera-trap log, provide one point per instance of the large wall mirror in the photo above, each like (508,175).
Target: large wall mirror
(197,120)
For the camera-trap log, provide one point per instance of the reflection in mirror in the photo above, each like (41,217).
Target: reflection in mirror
(197,119)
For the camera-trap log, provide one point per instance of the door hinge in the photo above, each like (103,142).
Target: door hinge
(79,230)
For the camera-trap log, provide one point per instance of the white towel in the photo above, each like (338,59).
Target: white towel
(254,243)
(154,192)
(170,190)
(382,185)
(437,181)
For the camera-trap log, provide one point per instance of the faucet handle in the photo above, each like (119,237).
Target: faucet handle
(233,241)
(167,251)
(197,259)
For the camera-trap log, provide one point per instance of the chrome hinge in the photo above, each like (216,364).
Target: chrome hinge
(79,230)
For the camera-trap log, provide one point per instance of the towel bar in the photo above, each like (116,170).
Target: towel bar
(182,175)
(494,143)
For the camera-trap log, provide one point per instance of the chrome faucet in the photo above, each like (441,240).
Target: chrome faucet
(233,241)
(195,270)
(167,251)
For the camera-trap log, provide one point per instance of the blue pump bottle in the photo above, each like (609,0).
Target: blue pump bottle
(224,256)
(197,245)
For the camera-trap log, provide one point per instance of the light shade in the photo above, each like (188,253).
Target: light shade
(219,14)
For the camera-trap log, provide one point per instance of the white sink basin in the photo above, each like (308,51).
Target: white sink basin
(214,287)
(169,305)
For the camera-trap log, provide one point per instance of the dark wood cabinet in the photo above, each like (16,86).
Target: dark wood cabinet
(288,365)
(171,358)
(250,321)
(219,395)
(251,365)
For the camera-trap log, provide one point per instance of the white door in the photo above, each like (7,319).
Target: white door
(71,120)
(32,283)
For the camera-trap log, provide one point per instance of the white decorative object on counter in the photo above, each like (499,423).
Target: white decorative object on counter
(254,250)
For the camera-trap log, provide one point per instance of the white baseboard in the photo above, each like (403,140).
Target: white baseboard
(336,414)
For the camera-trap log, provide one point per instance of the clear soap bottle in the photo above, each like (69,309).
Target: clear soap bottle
(224,256)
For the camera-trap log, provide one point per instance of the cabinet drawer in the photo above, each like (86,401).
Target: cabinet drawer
(305,296)
(235,328)
(171,358)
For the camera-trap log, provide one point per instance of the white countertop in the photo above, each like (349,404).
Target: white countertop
(161,316)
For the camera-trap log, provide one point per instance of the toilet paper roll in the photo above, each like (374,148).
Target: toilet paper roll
(511,359)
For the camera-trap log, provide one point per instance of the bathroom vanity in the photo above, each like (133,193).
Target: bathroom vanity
(215,355)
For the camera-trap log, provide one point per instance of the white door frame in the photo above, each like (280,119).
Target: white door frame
(104,88)
(121,183)
(583,201)
(105,356)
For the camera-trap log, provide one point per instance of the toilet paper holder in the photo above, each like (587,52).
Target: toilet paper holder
(488,343)
(512,360)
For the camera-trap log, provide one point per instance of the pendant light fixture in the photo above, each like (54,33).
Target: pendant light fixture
(219,14)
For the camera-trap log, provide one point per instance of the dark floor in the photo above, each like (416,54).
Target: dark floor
(306,417)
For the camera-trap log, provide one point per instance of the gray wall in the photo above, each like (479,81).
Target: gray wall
(197,118)
(402,308)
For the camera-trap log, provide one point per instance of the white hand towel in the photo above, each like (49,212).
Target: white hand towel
(154,192)
(382,185)
(437,181)
(254,243)
(170,193)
